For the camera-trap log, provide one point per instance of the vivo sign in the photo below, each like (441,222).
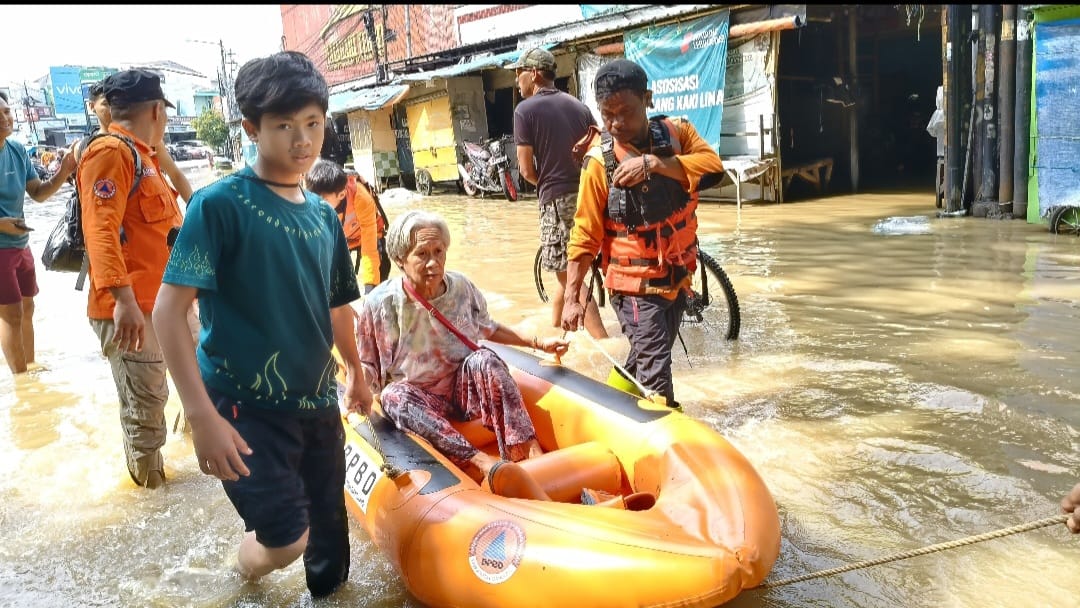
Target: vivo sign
(67,90)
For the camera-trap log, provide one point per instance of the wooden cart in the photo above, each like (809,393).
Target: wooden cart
(440,117)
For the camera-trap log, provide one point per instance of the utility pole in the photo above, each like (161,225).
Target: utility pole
(29,115)
(86,113)
(225,88)
(224,84)
(228,95)
(368,20)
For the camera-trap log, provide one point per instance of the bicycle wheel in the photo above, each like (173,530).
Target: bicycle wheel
(595,282)
(538,276)
(1065,220)
(706,307)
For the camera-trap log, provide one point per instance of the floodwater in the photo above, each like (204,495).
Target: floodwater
(900,380)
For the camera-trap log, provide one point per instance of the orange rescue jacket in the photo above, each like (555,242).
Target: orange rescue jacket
(650,229)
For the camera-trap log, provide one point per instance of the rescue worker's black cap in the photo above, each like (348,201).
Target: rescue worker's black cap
(133,86)
(619,75)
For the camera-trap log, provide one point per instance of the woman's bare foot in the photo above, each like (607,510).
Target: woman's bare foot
(483,462)
(534,448)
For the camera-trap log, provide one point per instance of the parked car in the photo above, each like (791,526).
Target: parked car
(196,148)
(178,152)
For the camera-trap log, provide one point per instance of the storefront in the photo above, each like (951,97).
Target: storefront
(439,116)
(372,142)
(1055,116)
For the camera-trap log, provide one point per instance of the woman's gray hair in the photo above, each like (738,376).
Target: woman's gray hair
(400,236)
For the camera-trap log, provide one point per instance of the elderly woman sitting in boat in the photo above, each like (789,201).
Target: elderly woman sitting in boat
(426,369)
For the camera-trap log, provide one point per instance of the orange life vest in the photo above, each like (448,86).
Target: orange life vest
(651,229)
(350,224)
(347,211)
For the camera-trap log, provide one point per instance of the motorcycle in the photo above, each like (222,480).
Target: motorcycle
(42,171)
(487,169)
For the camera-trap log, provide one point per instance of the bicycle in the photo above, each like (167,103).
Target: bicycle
(1064,219)
(701,307)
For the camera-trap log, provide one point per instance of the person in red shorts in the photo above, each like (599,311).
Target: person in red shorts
(18,277)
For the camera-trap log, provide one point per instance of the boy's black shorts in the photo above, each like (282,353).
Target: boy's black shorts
(297,483)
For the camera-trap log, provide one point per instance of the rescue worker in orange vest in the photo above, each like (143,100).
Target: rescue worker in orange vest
(636,209)
(129,234)
(375,268)
(355,206)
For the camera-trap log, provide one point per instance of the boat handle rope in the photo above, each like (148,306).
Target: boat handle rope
(392,470)
(978,538)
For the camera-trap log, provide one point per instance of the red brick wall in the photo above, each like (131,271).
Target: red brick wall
(343,53)
(502,9)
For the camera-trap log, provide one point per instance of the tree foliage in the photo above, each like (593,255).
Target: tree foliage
(210,127)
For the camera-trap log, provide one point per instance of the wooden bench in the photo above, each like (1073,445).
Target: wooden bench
(817,173)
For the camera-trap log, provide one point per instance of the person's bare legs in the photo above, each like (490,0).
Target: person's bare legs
(593,324)
(483,462)
(28,330)
(11,337)
(255,560)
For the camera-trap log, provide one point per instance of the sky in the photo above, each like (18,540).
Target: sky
(37,37)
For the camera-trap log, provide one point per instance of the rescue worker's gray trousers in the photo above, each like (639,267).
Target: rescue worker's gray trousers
(651,322)
(143,390)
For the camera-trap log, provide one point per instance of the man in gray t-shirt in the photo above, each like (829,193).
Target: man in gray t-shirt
(547,124)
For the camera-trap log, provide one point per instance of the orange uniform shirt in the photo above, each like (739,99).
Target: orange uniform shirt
(587,236)
(364,204)
(105,176)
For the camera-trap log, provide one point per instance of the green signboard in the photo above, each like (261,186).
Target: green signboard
(93,75)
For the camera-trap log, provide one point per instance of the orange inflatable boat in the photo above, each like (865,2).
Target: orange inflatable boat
(683,519)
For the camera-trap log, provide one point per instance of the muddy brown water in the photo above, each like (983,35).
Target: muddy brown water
(900,380)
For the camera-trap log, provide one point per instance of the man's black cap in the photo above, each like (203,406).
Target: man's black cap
(133,86)
(619,75)
(97,89)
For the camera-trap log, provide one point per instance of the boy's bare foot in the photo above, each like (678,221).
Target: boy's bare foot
(233,565)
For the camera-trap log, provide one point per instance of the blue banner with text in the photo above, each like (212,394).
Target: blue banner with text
(685,63)
(67,90)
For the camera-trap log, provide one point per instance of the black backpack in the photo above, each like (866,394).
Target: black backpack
(65,250)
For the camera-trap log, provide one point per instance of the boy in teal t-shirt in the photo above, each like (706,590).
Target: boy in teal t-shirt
(271,270)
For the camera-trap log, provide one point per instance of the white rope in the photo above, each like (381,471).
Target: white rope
(1033,525)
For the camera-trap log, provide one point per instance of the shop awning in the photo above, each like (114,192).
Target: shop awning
(497,60)
(612,23)
(371,98)
(743,22)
